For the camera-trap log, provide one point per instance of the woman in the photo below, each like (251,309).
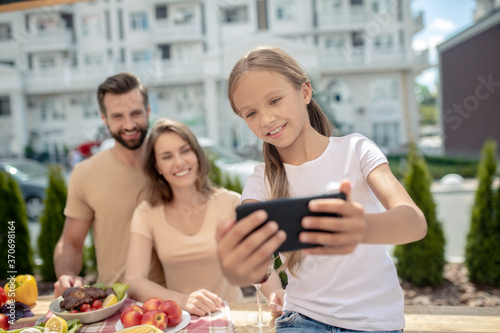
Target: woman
(179,219)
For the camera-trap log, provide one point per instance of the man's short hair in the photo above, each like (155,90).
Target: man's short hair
(121,84)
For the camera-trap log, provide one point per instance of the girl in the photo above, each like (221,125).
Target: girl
(355,287)
(179,220)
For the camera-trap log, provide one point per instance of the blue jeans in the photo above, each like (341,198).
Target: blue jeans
(294,322)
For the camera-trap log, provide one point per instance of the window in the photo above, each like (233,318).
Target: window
(91,25)
(161,11)
(164,51)
(120,24)
(183,15)
(4,105)
(285,11)
(92,59)
(123,58)
(383,42)
(356,2)
(357,39)
(234,14)
(384,89)
(386,134)
(47,62)
(338,92)
(335,42)
(142,56)
(5,31)
(333,4)
(139,21)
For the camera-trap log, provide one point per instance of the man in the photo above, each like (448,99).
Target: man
(105,189)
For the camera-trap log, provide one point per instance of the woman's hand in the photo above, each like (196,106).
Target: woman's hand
(244,255)
(202,302)
(347,231)
(276,301)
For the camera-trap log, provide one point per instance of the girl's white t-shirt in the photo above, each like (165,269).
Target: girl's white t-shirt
(360,290)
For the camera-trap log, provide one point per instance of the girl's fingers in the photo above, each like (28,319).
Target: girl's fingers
(242,229)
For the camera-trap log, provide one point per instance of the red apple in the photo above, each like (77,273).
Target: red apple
(132,315)
(173,311)
(157,318)
(4,322)
(152,304)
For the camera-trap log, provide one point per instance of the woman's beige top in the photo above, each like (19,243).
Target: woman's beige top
(190,262)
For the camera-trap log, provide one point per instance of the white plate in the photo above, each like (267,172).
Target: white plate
(186,318)
(85,317)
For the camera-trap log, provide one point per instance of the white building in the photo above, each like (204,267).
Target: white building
(357,52)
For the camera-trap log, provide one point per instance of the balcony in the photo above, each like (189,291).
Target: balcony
(48,40)
(90,76)
(350,18)
(361,59)
(173,30)
(418,22)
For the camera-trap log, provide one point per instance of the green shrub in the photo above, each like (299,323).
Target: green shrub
(52,221)
(421,263)
(439,166)
(483,240)
(89,261)
(14,234)
(222,179)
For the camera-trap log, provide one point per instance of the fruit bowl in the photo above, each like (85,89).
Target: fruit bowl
(85,317)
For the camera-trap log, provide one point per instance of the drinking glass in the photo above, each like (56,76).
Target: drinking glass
(260,325)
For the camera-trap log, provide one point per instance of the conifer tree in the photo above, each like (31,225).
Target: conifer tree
(14,234)
(52,221)
(421,263)
(483,239)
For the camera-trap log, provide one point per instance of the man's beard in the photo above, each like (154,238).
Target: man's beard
(132,145)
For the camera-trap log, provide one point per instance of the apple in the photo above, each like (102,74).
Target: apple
(173,311)
(4,322)
(132,315)
(152,303)
(157,318)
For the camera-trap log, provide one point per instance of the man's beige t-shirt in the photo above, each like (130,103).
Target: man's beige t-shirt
(105,191)
(190,262)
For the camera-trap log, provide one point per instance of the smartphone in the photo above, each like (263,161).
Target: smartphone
(288,213)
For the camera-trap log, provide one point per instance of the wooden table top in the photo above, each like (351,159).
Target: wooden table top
(426,319)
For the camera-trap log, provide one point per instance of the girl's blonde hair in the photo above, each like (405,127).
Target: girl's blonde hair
(158,190)
(273,59)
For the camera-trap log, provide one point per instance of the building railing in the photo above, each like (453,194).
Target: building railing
(158,71)
(173,29)
(54,39)
(345,57)
(349,16)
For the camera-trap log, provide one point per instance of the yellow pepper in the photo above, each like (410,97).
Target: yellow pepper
(22,288)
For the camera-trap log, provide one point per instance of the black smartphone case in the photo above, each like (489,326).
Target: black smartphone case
(288,213)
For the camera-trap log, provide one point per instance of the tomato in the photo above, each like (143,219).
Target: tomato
(84,307)
(97,304)
(74,311)
(88,310)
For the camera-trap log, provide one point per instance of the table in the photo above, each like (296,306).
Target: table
(426,319)
(241,313)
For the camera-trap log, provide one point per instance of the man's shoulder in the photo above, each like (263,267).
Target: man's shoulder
(94,163)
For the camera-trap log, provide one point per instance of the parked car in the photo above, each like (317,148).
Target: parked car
(226,160)
(31,176)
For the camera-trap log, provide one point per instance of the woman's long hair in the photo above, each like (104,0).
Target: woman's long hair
(158,190)
(273,59)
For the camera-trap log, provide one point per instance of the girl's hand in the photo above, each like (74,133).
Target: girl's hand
(276,301)
(348,230)
(244,255)
(202,302)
